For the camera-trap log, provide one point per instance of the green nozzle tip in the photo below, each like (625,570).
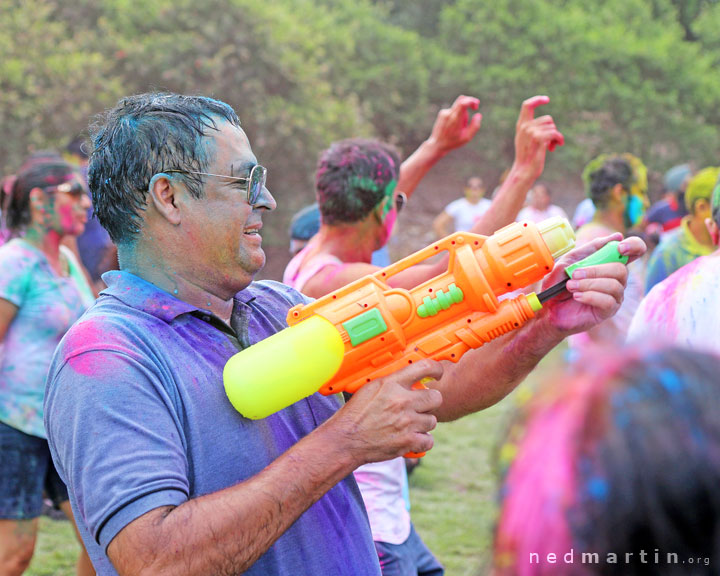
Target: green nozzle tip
(607,254)
(534,302)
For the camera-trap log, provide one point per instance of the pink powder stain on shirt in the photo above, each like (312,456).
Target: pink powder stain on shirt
(84,336)
(666,296)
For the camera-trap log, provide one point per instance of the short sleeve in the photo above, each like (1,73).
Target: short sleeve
(559,212)
(454,208)
(116,437)
(524,214)
(15,271)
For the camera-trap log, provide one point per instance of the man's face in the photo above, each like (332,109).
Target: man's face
(224,229)
(474,190)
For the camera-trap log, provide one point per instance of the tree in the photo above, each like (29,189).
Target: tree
(50,83)
(618,80)
(686,12)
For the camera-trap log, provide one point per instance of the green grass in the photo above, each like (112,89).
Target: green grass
(56,551)
(452,494)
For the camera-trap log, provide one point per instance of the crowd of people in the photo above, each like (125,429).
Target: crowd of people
(127,283)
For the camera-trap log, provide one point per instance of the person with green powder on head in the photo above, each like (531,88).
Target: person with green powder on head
(358,185)
(691,239)
(617,185)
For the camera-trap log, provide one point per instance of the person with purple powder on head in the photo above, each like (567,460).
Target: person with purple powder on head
(691,239)
(613,469)
(42,292)
(164,476)
(357,183)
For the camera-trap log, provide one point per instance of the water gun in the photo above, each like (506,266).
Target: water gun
(367,329)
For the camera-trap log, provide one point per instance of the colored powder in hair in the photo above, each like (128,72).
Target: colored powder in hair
(671,381)
(539,488)
(597,488)
(363,183)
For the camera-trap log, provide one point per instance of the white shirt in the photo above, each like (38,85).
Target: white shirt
(466,214)
(381,485)
(534,215)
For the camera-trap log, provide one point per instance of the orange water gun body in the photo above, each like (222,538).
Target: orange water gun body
(367,329)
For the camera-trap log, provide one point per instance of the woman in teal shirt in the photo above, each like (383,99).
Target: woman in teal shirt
(42,293)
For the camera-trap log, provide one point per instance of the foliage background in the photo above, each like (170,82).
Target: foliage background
(623,75)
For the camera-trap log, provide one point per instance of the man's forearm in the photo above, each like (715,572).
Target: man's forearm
(485,376)
(227,531)
(417,165)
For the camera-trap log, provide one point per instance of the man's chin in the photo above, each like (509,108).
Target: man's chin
(257,262)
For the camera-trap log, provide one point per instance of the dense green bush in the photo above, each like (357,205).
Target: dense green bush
(622,74)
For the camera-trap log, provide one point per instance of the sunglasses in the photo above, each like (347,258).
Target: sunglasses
(74,188)
(255,181)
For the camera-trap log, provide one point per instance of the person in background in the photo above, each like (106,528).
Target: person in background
(583,214)
(306,223)
(42,292)
(666,214)
(540,205)
(356,192)
(682,309)
(617,185)
(691,239)
(352,176)
(94,246)
(461,214)
(613,469)
(6,185)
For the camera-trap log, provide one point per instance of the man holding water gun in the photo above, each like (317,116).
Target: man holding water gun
(165,476)
(359,199)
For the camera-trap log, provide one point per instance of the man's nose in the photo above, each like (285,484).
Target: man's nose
(266,200)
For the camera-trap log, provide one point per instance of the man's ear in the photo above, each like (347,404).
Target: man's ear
(701,207)
(378,212)
(162,196)
(712,227)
